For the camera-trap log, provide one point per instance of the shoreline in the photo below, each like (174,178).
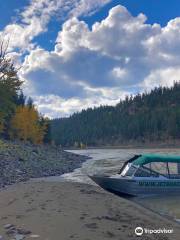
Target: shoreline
(153,146)
(21,161)
(66,210)
(32,189)
(124,147)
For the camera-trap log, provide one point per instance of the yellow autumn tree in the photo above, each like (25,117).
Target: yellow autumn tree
(27,125)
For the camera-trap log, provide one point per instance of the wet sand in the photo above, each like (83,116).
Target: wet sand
(65,211)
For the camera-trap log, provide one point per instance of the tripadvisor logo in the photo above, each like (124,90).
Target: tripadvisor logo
(140,231)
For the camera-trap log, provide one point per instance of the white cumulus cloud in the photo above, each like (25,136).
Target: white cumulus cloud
(34,20)
(91,66)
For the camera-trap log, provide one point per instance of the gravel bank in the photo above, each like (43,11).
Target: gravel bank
(20,162)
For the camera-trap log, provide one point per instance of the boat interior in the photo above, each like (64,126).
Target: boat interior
(166,170)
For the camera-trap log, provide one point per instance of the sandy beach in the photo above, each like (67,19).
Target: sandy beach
(63,211)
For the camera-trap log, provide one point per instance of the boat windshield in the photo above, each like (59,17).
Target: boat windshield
(154,169)
(129,170)
(146,172)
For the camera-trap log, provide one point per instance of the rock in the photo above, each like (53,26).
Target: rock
(23,231)
(91,225)
(21,161)
(34,236)
(11,231)
(19,237)
(8,226)
(177,220)
(1,237)
(19,171)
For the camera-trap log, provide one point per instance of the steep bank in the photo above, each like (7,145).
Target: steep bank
(20,161)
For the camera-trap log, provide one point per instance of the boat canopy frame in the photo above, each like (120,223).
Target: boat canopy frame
(139,162)
(149,158)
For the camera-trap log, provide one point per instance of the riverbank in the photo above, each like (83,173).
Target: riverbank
(21,161)
(171,144)
(53,211)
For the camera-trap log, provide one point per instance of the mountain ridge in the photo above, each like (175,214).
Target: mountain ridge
(147,117)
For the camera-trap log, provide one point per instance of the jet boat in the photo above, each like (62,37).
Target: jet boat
(144,174)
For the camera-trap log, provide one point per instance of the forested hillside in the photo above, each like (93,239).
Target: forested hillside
(19,119)
(147,117)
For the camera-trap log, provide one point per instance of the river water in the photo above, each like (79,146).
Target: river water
(107,161)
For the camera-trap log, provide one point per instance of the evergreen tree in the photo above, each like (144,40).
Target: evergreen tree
(9,87)
(20,99)
(30,103)
(153,116)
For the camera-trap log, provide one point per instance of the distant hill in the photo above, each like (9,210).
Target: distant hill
(147,117)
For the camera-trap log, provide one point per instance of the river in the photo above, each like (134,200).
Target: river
(107,161)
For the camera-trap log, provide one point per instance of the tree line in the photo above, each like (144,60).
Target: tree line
(147,117)
(19,118)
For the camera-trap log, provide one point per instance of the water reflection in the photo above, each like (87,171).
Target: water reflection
(165,205)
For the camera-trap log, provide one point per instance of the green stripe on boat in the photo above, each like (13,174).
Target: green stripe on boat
(148,158)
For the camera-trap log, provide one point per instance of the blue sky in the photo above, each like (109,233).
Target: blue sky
(69,62)
(157,11)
